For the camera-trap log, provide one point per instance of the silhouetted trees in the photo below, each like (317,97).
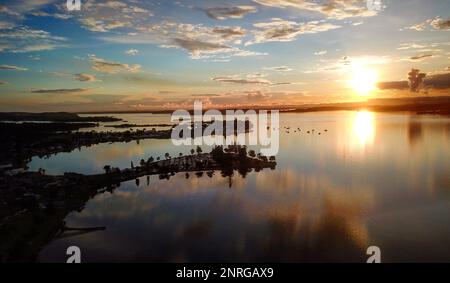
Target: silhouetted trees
(107,169)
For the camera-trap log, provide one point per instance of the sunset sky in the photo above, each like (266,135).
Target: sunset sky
(138,55)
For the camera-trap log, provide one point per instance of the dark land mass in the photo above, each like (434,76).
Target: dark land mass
(418,105)
(126,126)
(26,140)
(421,105)
(53,117)
(33,205)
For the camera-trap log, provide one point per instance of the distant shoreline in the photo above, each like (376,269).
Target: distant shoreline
(421,105)
(439,105)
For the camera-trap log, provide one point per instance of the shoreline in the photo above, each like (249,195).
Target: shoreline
(439,105)
(43,201)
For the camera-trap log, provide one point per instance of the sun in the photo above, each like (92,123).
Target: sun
(364,80)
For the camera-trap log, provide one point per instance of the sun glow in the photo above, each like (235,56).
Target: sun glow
(364,81)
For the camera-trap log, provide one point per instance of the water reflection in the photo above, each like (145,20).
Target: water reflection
(331,196)
(415,132)
(364,128)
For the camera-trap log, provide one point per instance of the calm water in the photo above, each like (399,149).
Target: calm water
(371,179)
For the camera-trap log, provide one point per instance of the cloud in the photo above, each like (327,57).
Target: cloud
(201,42)
(256,75)
(278,69)
(12,68)
(59,91)
(85,77)
(418,81)
(7,11)
(6,25)
(237,80)
(440,24)
(197,47)
(424,48)
(407,46)
(438,81)
(24,39)
(132,52)
(103,16)
(54,15)
(417,58)
(334,9)
(320,53)
(397,85)
(282,30)
(110,67)
(434,24)
(223,13)
(229,32)
(250,79)
(19,8)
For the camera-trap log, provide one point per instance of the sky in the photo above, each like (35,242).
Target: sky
(132,55)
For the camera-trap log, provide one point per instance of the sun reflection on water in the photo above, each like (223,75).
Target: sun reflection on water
(364,128)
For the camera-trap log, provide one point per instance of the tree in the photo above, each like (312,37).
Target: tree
(107,169)
(252,153)
(151,159)
(167,155)
(158,158)
(242,151)
(199,149)
(192,151)
(272,158)
(416,79)
(142,163)
(217,153)
(181,154)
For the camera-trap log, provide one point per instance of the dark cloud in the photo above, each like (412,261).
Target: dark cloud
(436,24)
(60,91)
(104,66)
(85,77)
(441,24)
(197,47)
(438,81)
(418,81)
(229,32)
(223,13)
(399,85)
(420,57)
